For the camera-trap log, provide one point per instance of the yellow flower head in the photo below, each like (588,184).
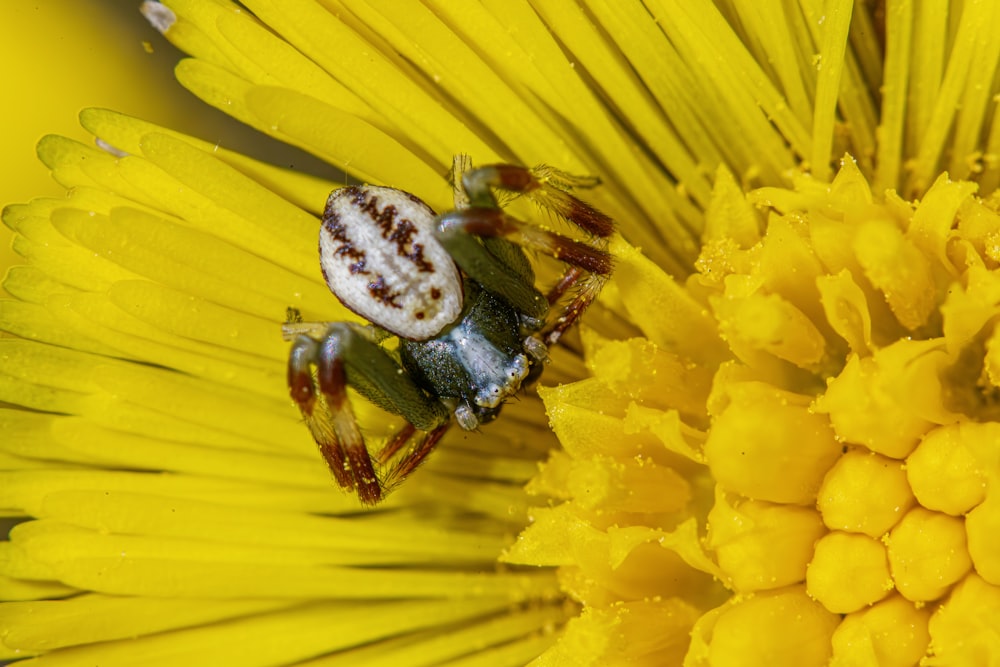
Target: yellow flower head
(778,427)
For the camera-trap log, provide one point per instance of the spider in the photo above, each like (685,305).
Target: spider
(458,292)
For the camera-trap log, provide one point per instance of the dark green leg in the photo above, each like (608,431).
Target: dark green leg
(488,269)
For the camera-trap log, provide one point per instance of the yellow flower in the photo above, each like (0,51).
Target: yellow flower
(819,394)
(779,448)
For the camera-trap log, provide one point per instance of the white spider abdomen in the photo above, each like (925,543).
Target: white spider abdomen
(380,258)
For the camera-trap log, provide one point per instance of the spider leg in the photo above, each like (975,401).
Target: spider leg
(327,412)
(493,223)
(587,288)
(546,186)
(487,267)
(396,472)
(589,265)
(345,356)
(395,443)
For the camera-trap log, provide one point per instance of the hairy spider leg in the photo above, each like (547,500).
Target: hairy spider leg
(494,223)
(316,414)
(344,357)
(395,443)
(588,270)
(327,412)
(508,253)
(570,277)
(401,469)
(332,380)
(550,189)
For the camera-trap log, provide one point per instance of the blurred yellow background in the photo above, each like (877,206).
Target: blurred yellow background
(60,56)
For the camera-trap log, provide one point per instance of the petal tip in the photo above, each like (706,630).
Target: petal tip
(159,15)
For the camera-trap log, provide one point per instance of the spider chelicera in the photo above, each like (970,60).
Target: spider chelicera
(458,292)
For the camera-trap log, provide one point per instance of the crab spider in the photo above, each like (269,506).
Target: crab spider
(459,293)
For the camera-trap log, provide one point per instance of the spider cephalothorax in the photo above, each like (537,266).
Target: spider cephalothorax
(458,292)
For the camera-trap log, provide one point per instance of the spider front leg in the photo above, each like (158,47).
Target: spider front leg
(548,187)
(589,264)
(346,356)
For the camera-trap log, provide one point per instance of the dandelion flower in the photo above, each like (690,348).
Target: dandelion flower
(779,446)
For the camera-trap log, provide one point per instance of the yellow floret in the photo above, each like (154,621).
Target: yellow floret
(865,493)
(893,633)
(779,628)
(982,527)
(842,557)
(927,554)
(895,266)
(768,322)
(877,401)
(767,445)
(944,471)
(761,546)
(965,630)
